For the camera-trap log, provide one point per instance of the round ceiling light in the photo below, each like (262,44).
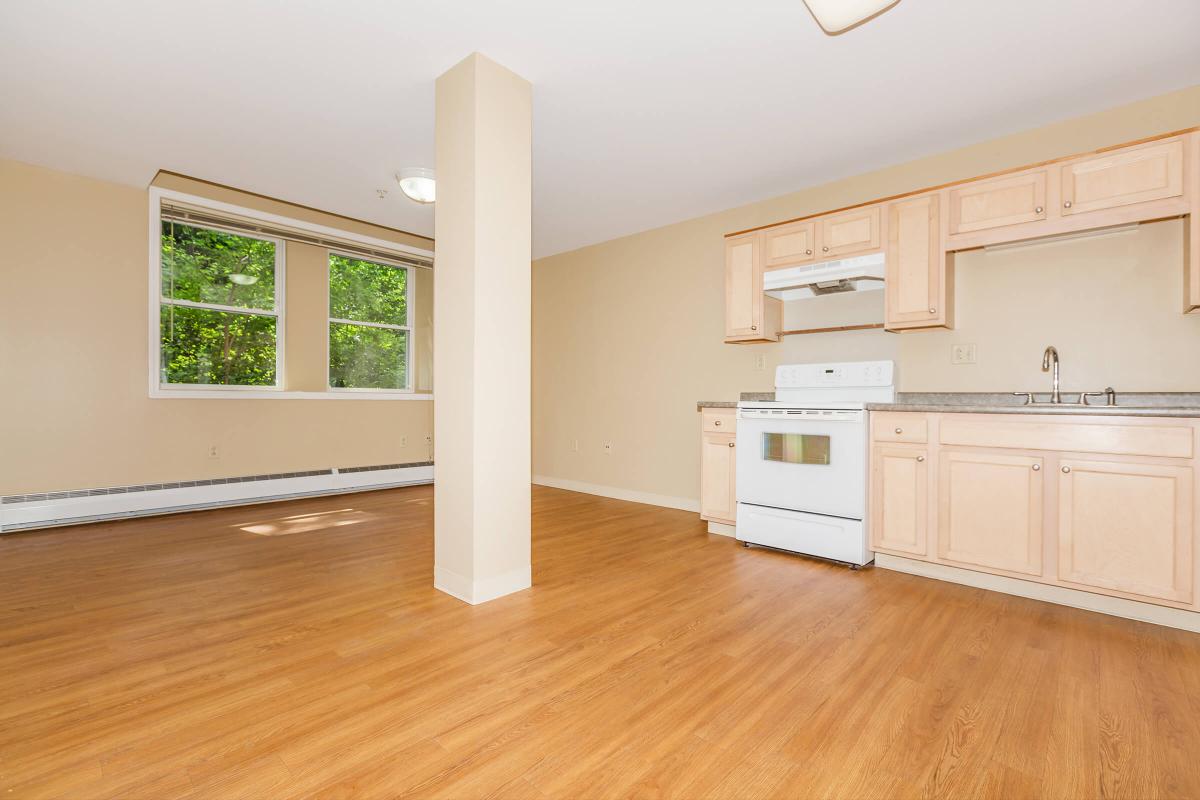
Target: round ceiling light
(418,184)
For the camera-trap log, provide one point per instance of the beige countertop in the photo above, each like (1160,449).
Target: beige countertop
(1129,404)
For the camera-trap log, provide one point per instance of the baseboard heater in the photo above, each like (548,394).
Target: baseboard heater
(50,509)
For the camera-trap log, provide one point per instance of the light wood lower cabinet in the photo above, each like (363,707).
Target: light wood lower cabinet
(718,487)
(1116,514)
(1126,526)
(990,509)
(899,498)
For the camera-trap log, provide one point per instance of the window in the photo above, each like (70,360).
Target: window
(219,305)
(369,330)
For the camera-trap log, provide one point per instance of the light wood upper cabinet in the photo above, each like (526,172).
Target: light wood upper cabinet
(718,492)
(1123,177)
(850,232)
(1126,526)
(786,245)
(915,289)
(990,510)
(750,316)
(899,499)
(996,202)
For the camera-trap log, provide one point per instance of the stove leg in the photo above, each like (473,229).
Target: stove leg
(745,544)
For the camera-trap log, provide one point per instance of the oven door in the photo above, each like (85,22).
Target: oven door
(804,460)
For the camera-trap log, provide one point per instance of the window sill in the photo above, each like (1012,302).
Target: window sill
(275,394)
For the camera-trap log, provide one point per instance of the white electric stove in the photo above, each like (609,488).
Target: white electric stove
(802,460)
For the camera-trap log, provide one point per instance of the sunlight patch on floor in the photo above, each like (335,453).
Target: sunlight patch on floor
(306,523)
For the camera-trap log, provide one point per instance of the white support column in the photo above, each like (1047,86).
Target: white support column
(481,329)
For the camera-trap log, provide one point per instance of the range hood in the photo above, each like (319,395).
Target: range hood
(857,274)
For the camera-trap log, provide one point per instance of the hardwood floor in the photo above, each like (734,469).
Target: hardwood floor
(189,657)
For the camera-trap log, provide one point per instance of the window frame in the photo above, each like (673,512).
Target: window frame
(408,328)
(279,313)
(177,391)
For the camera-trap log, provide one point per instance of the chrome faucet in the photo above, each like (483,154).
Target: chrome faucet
(1050,359)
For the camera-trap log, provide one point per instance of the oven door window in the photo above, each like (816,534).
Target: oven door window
(795,448)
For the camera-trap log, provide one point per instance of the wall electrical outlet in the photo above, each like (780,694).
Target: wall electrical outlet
(760,361)
(404,441)
(962,354)
(608,448)
(574,445)
(213,451)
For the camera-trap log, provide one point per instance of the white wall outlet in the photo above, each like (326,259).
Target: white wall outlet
(574,445)
(213,451)
(429,438)
(760,361)
(404,441)
(608,448)
(962,354)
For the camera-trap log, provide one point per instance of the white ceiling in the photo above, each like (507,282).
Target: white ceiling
(647,112)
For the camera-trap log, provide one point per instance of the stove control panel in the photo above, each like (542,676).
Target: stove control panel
(846,374)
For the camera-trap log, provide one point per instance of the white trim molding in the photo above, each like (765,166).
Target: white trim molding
(1103,604)
(51,512)
(617,493)
(484,589)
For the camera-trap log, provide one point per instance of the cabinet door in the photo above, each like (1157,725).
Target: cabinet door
(997,202)
(743,286)
(850,232)
(990,511)
(789,244)
(1126,527)
(899,500)
(1133,175)
(718,497)
(914,291)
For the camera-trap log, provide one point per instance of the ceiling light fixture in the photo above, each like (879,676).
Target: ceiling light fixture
(418,183)
(838,16)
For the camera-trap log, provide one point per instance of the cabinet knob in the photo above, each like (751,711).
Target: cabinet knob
(731,444)
(753,327)
(1037,467)
(717,422)
(899,430)
(1037,210)
(1066,469)
(932,310)
(808,252)
(1067,204)
(920,458)
(825,249)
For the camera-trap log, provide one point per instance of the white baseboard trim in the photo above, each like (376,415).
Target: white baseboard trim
(722,529)
(102,508)
(617,493)
(483,590)
(1115,606)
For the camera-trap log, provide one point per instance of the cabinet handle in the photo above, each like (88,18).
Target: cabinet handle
(1037,210)
(920,458)
(1066,469)
(932,310)
(1037,467)
(899,430)
(808,252)
(731,444)
(825,249)
(1067,204)
(717,423)
(753,327)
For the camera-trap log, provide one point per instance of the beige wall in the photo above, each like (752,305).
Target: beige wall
(75,413)
(628,333)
